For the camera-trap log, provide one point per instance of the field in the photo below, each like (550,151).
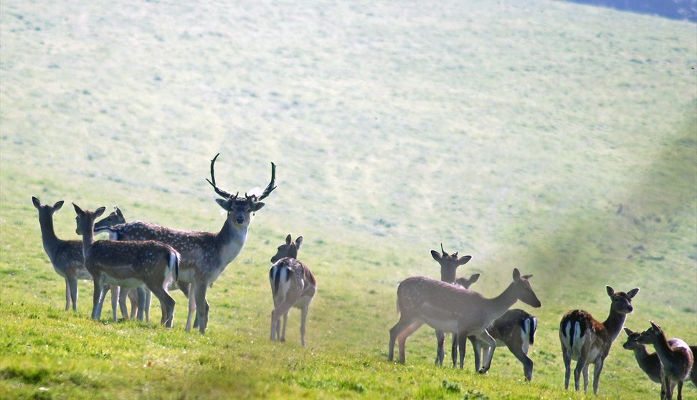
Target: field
(557,138)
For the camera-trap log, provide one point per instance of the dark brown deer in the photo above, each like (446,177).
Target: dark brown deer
(292,285)
(205,255)
(129,264)
(676,359)
(648,362)
(515,328)
(451,308)
(587,340)
(448,270)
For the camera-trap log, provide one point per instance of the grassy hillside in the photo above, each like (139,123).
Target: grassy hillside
(554,137)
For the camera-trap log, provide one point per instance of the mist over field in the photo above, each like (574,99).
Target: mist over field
(550,136)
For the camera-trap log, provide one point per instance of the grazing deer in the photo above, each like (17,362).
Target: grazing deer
(451,308)
(587,340)
(139,297)
(515,328)
(292,285)
(65,255)
(129,264)
(205,255)
(676,359)
(448,268)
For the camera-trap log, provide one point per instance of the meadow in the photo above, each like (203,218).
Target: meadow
(557,138)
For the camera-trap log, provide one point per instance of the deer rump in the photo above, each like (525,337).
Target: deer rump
(285,275)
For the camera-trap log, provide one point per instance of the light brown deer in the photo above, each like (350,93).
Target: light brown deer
(515,329)
(452,308)
(448,270)
(292,285)
(65,255)
(587,340)
(676,359)
(205,255)
(129,264)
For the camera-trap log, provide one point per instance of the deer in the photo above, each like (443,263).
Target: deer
(515,328)
(451,308)
(676,359)
(139,297)
(65,255)
(205,255)
(129,264)
(587,340)
(448,268)
(292,285)
(648,362)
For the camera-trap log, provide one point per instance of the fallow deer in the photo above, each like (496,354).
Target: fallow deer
(448,269)
(676,359)
(65,255)
(129,264)
(205,255)
(587,340)
(515,328)
(139,297)
(648,362)
(451,308)
(292,285)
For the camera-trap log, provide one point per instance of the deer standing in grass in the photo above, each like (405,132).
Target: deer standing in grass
(451,308)
(448,269)
(587,340)
(648,362)
(515,328)
(292,285)
(205,255)
(676,359)
(129,264)
(65,255)
(139,297)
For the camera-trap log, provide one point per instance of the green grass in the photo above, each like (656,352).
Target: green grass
(554,137)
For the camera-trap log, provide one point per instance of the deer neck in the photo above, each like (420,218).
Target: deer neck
(48,235)
(501,303)
(87,240)
(641,355)
(663,348)
(447,276)
(230,240)
(614,323)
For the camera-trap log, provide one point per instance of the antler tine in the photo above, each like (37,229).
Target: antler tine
(271,186)
(218,190)
(443,251)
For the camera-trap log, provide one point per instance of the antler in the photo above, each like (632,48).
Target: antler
(218,190)
(271,186)
(443,251)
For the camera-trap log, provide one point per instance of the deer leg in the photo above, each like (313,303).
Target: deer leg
(585,377)
(166,303)
(67,295)
(580,365)
(201,307)
(276,315)
(283,328)
(462,347)
(402,339)
(123,295)
(455,348)
(567,365)
(148,299)
(491,346)
(440,353)
(96,297)
(680,390)
(523,358)
(142,299)
(396,330)
(191,289)
(597,369)
(72,284)
(476,346)
(303,321)
(115,293)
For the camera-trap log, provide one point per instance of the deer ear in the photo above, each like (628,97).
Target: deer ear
(288,239)
(36,202)
(628,331)
(654,326)
(435,255)
(527,276)
(463,260)
(223,203)
(78,210)
(610,290)
(257,206)
(118,211)
(516,274)
(298,242)
(58,205)
(474,278)
(99,212)
(632,293)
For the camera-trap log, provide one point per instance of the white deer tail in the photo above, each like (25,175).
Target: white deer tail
(173,265)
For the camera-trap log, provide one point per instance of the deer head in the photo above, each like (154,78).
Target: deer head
(288,249)
(632,340)
(621,302)
(239,209)
(651,335)
(85,219)
(46,210)
(448,263)
(467,282)
(114,218)
(523,290)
